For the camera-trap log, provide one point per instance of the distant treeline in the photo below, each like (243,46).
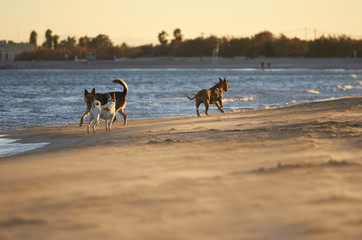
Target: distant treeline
(262,44)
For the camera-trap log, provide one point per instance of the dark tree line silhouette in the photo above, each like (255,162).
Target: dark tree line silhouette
(263,44)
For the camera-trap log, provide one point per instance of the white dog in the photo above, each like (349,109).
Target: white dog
(106,112)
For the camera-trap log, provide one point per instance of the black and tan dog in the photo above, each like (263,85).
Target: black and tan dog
(213,95)
(89,97)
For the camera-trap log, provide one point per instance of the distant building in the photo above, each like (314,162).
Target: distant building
(8,51)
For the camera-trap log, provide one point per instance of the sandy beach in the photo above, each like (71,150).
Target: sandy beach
(189,63)
(286,173)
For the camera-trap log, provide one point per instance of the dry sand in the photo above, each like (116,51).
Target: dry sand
(288,173)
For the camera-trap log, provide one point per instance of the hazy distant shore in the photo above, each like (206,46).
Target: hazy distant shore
(204,62)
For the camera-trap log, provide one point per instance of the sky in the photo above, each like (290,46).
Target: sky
(138,22)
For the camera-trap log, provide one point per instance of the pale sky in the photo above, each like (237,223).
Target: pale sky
(138,22)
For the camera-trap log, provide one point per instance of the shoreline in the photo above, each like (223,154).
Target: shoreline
(25,128)
(283,173)
(191,63)
(11,134)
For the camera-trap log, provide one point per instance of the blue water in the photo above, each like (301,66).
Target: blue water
(55,97)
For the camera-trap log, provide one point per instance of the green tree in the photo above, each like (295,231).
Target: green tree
(69,43)
(177,37)
(33,38)
(55,41)
(101,41)
(48,39)
(162,38)
(177,34)
(263,44)
(83,42)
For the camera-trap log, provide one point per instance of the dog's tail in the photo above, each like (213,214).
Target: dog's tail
(123,83)
(192,97)
(96,103)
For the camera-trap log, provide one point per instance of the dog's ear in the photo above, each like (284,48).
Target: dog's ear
(93,91)
(86,92)
(108,96)
(224,79)
(220,79)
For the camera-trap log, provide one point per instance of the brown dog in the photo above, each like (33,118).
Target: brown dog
(213,95)
(89,97)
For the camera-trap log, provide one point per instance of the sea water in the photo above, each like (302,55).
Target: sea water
(32,98)
(12,146)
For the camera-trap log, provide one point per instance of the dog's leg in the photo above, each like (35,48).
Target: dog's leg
(197,107)
(90,121)
(107,124)
(115,119)
(219,107)
(96,123)
(84,116)
(88,127)
(110,125)
(207,105)
(124,117)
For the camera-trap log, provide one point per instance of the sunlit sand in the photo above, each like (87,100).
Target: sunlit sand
(287,173)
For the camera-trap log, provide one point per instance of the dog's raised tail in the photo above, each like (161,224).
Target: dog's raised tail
(123,83)
(192,97)
(96,103)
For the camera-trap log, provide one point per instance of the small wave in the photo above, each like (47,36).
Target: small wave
(344,87)
(359,82)
(245,99)
(313,91)
(352,75)
(10,147)
(233,69)
(271,107)
(335,70)
(294,102)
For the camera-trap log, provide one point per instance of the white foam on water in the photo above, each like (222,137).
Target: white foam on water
(295,102)
(313,91)
(9,147)
(244,99)
(344,87)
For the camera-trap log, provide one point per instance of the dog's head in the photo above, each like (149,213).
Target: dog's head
(89,97)
(224,84)
(111,97)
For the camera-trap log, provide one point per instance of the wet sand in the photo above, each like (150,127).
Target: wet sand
(188,63)
(287,173)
